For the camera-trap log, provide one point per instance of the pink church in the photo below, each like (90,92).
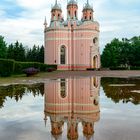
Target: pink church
(72,44)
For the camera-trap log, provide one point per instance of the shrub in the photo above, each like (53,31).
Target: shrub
(30,71)
(91,69)
(6,67)
(20,66)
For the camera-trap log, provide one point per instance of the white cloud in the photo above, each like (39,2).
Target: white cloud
(33,4)
(28,26)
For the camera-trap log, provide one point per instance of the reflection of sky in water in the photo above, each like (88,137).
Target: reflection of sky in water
(24,120)
(117,121)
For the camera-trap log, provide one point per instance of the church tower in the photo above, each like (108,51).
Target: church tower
(72,10)
(56,12)
(87,12)
(72,131)
(88,129)
(56,127)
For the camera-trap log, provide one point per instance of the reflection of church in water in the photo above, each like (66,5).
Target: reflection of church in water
(72,102)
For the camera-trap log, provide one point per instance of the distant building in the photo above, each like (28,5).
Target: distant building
(70,103)
(72,44)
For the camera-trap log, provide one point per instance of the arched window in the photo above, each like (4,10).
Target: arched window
(90,17)
(96,101)
(53,16)
(95,40)
(58,16)
(95,61)
(75,14)
(95,82)
(62,55)
(63,88)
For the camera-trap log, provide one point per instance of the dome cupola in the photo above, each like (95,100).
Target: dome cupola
(56,12)
(87,6)
(56,6)
(87,12)
(72,2)
(72,9)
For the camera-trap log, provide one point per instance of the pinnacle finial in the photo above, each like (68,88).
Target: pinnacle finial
(45,120)
(55,1)
(45,22)
(87,1)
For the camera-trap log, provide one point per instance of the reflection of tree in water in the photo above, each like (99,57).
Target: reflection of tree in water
(124,93)
(18,91)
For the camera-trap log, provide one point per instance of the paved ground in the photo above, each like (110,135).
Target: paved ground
(65,74)
(43,77)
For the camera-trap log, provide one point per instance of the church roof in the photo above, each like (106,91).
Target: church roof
(72,2)
(87,7)
(56,6)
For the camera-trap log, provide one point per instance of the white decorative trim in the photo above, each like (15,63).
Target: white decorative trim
(77,38)
(69,111)
(67,104)
(76,31)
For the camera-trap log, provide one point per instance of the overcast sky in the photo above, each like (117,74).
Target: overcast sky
(22,20)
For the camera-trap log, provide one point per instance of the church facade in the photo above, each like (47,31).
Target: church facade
(72,44)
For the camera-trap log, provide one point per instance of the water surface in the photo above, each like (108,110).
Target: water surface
(76,108)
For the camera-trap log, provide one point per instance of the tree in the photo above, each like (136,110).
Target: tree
(36,54)
(10,52)
(3,47)
(122,53)
(111,54)
(41,54)
(16,52)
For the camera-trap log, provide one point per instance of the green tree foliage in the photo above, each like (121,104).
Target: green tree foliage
(122,53)
(2,47)
(36,54)
(16,51)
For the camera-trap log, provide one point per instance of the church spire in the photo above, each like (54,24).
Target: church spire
(45,119)
(45,22)
(56,2)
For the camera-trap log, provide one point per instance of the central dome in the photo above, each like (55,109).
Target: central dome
(71,2)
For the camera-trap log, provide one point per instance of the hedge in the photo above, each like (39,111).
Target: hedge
(135,68)
(125,68)
(6,67)
(118,68)
(20,66)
